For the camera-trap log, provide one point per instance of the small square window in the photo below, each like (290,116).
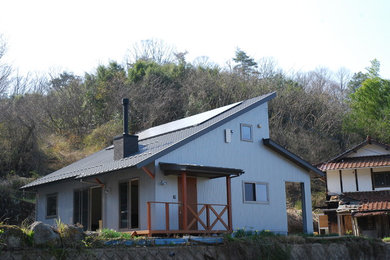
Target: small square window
(51,205)
(246,132)
(256,192)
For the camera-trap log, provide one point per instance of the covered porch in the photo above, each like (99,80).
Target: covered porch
(188,216)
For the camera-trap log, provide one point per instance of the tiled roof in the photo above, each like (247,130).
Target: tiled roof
(356,162)
(149,149)
(368,201)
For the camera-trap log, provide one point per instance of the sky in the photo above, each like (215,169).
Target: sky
(78,35)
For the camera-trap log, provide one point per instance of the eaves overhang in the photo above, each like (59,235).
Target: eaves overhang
(210,172)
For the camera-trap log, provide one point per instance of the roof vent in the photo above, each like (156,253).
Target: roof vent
(126,144)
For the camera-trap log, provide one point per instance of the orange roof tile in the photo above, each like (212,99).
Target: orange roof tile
(357,162)
(369,200)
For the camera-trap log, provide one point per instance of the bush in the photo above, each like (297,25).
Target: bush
(110,234)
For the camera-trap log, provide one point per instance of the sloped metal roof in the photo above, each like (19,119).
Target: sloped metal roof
(150,148)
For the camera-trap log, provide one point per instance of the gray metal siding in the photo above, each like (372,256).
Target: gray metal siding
(259,163)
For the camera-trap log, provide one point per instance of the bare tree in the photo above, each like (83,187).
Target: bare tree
(267,67)
(151,49)
(343,76)
(5,70)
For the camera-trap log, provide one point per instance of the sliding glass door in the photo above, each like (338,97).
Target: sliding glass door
(129,204)
(80,207)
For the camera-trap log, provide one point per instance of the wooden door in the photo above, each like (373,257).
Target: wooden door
(347,225)
(192,200)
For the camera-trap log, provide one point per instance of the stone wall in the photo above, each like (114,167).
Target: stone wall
(235,250)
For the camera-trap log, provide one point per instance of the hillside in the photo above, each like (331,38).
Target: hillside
(49,121)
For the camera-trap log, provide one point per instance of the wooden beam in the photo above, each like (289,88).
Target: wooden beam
(207,216)
(338,224)
(356,180)
(148,172)
(229,202)
(100,182)
(372,179)
(167,216)
(341,180)
(184,198)
(219,217)
(180,231)
(149,217)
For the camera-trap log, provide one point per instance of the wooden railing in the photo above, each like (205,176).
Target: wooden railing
(209,210)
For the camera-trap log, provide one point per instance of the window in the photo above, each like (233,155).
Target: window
(246,132)
(128,204)
(51,205)
(256,192)
(381,179)
(80,207)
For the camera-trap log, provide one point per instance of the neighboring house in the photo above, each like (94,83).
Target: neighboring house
(208,173)
(358,191)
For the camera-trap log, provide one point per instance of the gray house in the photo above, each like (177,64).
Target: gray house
(209,173)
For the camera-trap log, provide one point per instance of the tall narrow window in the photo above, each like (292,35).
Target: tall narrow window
(80,208)
(250,192)
(123,204)
(51,205)
(129,204)
(246,133)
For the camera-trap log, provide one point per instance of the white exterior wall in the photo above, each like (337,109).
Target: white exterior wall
(333,182)
(259,163)
(364,179)
(349,180)
(110,205)
(64,192)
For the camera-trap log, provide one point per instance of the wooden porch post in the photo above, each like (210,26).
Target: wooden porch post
(149,218)
(229,202)
(184,196)
(338,224)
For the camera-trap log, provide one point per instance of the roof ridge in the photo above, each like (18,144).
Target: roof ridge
(358,146)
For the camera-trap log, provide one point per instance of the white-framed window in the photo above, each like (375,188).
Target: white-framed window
(255,192)
(246,132)
(51,205)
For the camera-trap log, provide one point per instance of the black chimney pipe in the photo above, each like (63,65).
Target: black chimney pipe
(126,144)
(125,103)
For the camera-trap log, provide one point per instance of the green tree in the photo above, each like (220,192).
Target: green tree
(370,109)
(359,77)
(245,64)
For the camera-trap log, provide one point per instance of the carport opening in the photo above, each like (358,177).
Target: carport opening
(295,207)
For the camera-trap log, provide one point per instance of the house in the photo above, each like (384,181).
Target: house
(208,173)
(358,191)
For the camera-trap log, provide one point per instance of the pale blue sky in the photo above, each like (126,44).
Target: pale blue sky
(78,35)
